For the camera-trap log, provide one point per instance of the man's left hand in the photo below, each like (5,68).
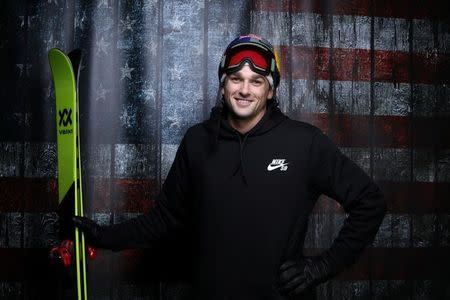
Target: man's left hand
(297,277)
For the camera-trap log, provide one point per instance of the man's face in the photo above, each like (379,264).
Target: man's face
(246,93)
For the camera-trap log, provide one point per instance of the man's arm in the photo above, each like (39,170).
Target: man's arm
(169,214)
(336,176)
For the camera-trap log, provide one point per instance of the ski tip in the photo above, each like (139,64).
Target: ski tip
(76,56)
(75,52)
(55,51)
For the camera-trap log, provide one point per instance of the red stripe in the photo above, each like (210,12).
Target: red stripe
(388,131)
(397,264)
(133,195)
(40,194)
(400,264)
(327,205)
(34,265)
(355,65)
(25,264)
(137,195)
(375,263)
(381,8)
(417,197)
(28,194)
(402,198)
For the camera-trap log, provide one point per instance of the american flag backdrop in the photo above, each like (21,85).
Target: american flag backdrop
(373,74)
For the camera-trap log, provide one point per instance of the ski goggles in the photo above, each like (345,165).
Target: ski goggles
(259,62)
(251,50)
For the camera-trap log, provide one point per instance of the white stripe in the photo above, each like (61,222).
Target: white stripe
(10,159)
(378,289)
(391,34)
(168,155)
(98,162)
(351,32)
(40,159)
(40,230)
(131,162)
(353,97)
(395,230)
(395,164)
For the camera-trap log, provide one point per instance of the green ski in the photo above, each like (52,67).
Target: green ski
(65,70)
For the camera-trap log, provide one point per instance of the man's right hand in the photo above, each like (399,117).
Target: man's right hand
(94,233)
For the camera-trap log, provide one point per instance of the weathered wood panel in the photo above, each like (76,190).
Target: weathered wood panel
(372,74)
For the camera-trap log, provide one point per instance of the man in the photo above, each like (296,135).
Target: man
(243,185)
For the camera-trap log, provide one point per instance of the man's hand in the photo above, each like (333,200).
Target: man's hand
(94,233)
(297,277)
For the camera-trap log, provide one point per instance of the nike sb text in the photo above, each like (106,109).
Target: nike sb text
(278,163)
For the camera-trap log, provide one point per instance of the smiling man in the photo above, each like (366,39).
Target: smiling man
(242,187)
(245,74)
(246,94)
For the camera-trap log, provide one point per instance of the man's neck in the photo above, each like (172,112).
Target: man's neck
(243,125)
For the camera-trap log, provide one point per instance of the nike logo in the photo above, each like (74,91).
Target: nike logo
(278,163)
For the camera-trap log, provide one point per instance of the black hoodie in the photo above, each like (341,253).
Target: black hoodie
(245,202)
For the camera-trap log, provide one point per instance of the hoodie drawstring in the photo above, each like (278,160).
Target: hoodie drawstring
(241,165)
(219,129)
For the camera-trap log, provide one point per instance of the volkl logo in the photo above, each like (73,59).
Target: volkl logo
(278,164)
(65,117)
